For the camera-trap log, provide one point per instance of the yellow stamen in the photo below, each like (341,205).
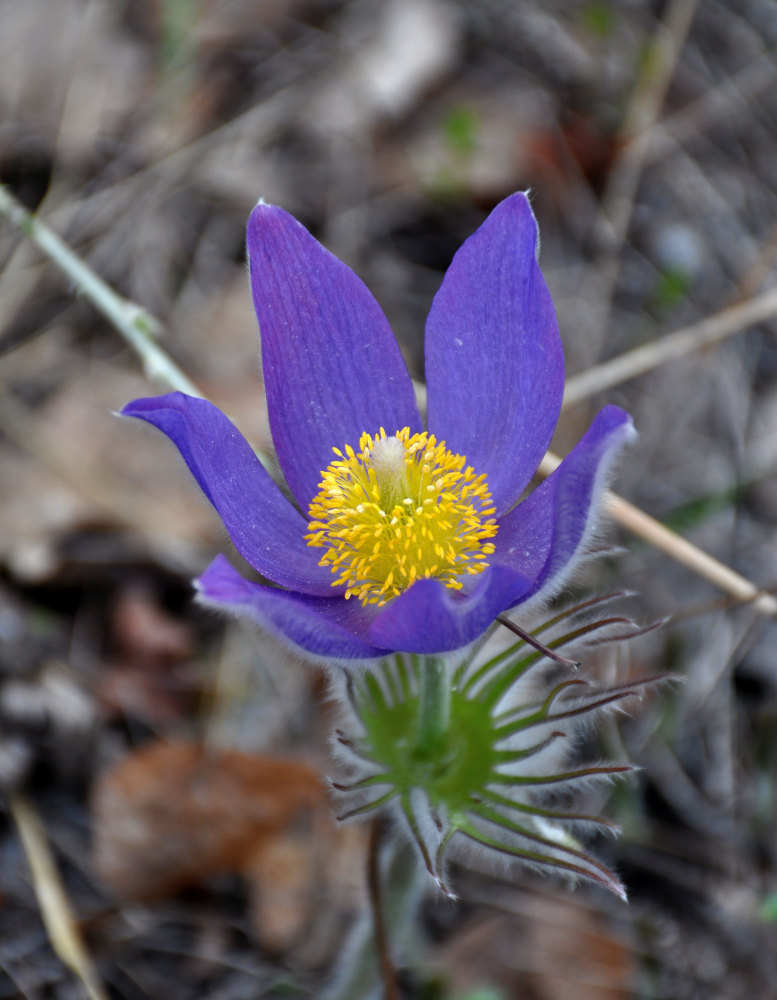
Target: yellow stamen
(402,509)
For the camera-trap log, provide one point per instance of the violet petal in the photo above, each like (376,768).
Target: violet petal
(543,536)
(328,627)
(263,525)
(332,368)
(494,361)
(432,618)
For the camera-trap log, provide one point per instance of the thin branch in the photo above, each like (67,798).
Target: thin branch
(632,142)
(676,345)
(730,98)
(681,550)
(652,531)
(138,327)
(388,972)
(634,136)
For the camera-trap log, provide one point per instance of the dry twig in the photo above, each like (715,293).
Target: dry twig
(679,548)
(634,139)
(136,325)
(671,347)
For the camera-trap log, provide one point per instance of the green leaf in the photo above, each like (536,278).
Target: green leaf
(767,911)
(671,288)
(460,128)
(598,18)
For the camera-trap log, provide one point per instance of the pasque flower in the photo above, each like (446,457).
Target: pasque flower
(400,538)
(403,544)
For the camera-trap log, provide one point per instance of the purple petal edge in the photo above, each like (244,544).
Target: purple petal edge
(544,536)
(431,618)
(263,525)
(325,628)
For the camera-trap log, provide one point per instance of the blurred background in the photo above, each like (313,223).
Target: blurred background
(134,726)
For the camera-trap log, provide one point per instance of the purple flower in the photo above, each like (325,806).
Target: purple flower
(401,540)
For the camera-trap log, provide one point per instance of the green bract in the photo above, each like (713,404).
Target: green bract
(469,749)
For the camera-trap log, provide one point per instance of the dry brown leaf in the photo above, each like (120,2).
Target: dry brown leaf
(145,631)
(551,951)
(70,462)
(147,675)
(174,814)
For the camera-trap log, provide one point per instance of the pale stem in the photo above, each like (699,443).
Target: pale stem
(682,551)
(57,914)
(358,973)
(673,346)
(137,326)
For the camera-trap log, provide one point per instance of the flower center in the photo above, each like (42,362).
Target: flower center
(402,508)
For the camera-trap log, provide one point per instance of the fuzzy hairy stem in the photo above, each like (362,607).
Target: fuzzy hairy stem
(434,707)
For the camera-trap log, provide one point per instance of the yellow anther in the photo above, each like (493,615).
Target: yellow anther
(401,509)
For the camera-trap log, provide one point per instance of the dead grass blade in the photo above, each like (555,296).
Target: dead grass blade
(52,899)
(633,140)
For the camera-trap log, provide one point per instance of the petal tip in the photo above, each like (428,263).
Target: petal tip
(211,573)
(519,206)
(613,417)
(148,404)
(265,214)
(262,207)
